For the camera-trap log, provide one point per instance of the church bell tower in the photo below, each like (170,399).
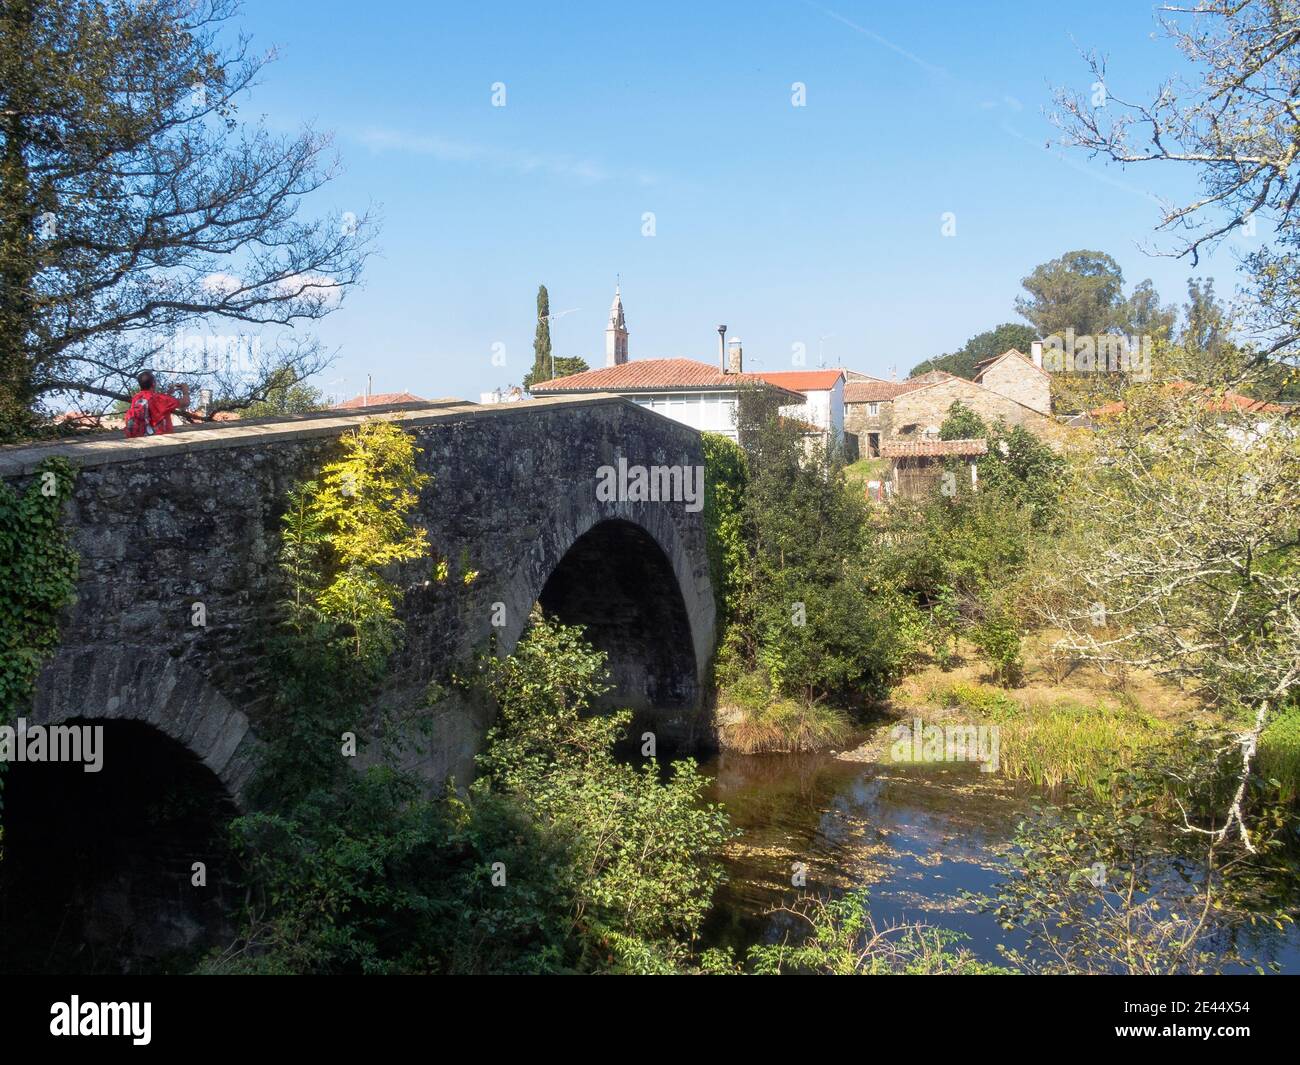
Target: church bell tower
(616,332)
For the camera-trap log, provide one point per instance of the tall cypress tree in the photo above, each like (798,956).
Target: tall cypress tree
(542,340)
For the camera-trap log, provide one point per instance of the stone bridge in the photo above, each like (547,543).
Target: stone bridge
(166,522)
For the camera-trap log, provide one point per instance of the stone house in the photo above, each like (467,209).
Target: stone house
(1023,379)
(1011,387)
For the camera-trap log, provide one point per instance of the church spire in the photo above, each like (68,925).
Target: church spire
(616,331)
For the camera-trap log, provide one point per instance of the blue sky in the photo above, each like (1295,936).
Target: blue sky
(788,224)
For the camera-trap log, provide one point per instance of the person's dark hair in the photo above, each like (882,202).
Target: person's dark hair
(145,378)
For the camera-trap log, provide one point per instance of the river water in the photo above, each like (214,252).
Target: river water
(918,836)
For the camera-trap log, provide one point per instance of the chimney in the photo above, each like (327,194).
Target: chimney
(735,357)
(1036,353)
(722,348)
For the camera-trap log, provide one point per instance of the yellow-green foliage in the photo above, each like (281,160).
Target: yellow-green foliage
(1279,754)
(344,529)
(1064,742)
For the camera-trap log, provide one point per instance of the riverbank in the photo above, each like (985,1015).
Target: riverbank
(1063,726)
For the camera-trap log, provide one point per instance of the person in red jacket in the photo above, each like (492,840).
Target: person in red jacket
(151,411)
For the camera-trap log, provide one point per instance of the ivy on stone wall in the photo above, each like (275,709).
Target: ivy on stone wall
(724,486)
(38,571)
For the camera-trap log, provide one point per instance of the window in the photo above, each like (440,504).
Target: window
(873,409)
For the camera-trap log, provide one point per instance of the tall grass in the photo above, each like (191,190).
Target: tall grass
(756,721)
(1279,754)
(1063,742)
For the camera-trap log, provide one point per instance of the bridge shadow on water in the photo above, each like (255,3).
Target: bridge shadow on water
(97,874)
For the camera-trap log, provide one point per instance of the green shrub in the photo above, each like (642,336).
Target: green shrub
(805,611)
(769,723)
(643,848)
(998,639)
(1279,754)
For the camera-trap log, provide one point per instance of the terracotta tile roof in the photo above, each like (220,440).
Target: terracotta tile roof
(873,391)
(654,375)
(1212,401)
(803,380)
(378,399)
(80,419)
(897,449)
(883,391)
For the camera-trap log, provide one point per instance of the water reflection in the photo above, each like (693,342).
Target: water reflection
(919,836)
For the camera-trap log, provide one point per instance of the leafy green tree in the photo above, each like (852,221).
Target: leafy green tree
(353,524)
(986,345)
(342,535)
(1080,290)
(1017,463)
(285,394)
(134,202)
(541,370)
(1144,314)
(565,366)
(1119,884)
(804,614)
(1178,556)
(724,521)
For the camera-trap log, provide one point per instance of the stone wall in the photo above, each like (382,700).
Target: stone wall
(859,421)
(915,411)
(1016,377)
(166,522)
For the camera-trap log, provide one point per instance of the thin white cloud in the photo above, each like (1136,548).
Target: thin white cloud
(219,284)
(312,286)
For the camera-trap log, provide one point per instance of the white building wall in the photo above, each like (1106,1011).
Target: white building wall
(709,412)
(835,398)
(823,408)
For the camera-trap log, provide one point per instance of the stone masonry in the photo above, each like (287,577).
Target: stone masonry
(165,522)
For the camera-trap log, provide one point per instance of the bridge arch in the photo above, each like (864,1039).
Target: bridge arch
(99,871)
(153,688)
(623,572)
